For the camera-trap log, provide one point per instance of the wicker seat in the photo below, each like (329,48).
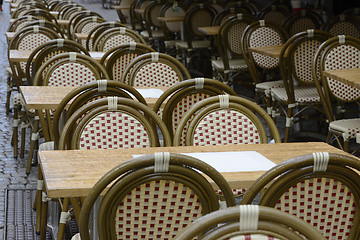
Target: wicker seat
(339,52)
(263,69)
(299,93)
(118,58)
(173,184)
(249,222)
(318,188)
(226,119)
(181,96)
(154,69)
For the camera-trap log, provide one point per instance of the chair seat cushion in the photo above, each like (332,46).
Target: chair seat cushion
(304,94)
(47,146)
(234,64)
(195,44)
(349,127)
(155,34)
(271,84)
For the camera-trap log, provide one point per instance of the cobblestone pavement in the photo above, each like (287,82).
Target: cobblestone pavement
(12,171)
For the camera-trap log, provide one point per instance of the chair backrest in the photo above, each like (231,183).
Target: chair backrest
(301,21)
(85,25)
(113,122)
(118,58)
(199,16)
(114,37)
(45,23)
(225,14)
(226,119)
(20,23)
(249,222)
(274,14)
(155,69)
(28,38)
(42,14)
(22,11)
(76,16)
(88,93)
(318,188)
(97,30)
(151,13)
(44,52)
(69,69)
(339,52)
(170,10)
(257,34)
(296,59)
(170,189)
(183,95)
(343,25)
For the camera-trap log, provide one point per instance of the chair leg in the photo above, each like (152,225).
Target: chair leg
(34,138)
(15,130)
(23,127)
(8,95)
(38,202)
(44,209)
(63,218)
(346,145)
(288,124)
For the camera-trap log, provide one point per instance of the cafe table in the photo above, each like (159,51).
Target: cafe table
(350,76)
(49,97)
(171,19)
(23,55)
(271,51)
(210,30)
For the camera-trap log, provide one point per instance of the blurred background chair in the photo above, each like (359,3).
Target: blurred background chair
(342,25)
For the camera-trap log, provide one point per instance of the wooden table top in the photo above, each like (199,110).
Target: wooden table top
(210,30)
(23,55)
(349,76)
(72,173)
(49,97)
(271,51)
(171,19)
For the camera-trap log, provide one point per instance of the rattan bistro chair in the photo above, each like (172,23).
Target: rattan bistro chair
(340,52)
(321,188)
(153,197)
(173,104)
(226,119)
(249,222)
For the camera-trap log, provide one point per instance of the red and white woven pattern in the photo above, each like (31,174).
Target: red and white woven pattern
(156,74)
(345,28)
(234,37)
(303,94)
(341,57)
(87,27)
(265,36)
(225,127)
(116,40)
(236,192)
(302,24)
(120,64)
(156,210)
(325,203)
(303,58)
(71,74)
(348,127)
(114,130)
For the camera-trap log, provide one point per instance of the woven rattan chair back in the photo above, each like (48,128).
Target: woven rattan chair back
(181,96)
(249,7)
(343,25)
(85,25)
(28,39)
(259,34)
(67,11)
(22,11)
(47,24)
(302,21)
(44,52)
(339,52)
(97,30)
(42,14)
(155,70)
(118,122)
(88,93)
(70,69)
(143,181)
(310,187)
(274,14)
(118,58)
(170,28)
(226,119)
(75,17)
(152,23)
(249,222)
(225,14)
(114,37)
(20,23)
